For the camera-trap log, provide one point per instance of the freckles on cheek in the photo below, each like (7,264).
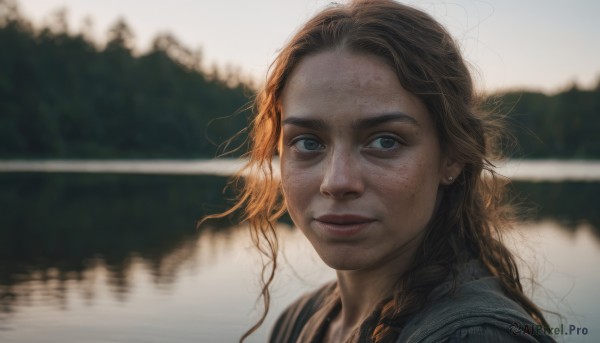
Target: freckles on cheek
(297,196)
(396,189)
(404,183)
(293,185)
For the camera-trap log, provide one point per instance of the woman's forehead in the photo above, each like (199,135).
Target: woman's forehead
(347,86)
(341,69)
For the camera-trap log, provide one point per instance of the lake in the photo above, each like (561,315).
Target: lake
(103,255)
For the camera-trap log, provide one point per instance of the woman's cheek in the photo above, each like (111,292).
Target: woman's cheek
(300,185)
(289,184)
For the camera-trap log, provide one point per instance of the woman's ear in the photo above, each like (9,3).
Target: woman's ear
(450,171)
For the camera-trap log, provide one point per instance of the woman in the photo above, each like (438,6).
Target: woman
(385,169)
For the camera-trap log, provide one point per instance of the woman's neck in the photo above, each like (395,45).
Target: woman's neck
(362,291)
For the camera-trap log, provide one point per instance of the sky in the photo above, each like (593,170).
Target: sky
(537,45)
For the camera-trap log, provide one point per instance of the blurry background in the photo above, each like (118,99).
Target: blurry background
(112,257)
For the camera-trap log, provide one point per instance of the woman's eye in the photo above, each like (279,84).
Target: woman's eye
(384,142)
(307,145)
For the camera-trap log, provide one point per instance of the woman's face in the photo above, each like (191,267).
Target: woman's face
(361,162)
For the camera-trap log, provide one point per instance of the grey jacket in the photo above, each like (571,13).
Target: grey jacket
(477,311)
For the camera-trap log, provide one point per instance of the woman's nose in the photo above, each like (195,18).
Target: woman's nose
(342,177)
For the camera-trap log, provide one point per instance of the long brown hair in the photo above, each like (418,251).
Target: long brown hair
(428,63)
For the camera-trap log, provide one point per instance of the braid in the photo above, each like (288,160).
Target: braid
(409,297)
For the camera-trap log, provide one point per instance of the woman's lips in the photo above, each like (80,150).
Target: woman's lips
(344,225)
(342,219)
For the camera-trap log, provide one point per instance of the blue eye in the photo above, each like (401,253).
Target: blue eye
(383,142)
(307,144)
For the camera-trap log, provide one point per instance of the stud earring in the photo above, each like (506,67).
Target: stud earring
(450,178)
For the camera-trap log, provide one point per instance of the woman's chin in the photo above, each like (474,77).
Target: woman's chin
(344,261)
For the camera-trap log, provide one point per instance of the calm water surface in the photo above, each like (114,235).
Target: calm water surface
(116,258)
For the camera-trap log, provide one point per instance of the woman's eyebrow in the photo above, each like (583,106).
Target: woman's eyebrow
(307,123)
(370,122)
(365,123)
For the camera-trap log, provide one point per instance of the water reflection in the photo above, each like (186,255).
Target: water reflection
(570,203)
(83,234)
(60,228)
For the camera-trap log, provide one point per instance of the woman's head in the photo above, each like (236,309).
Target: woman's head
(423,66)
(426,62)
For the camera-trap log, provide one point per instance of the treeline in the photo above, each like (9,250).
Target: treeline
(563,125)
(62,95)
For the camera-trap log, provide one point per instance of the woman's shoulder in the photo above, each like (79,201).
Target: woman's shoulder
(292,321)
(476,310)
